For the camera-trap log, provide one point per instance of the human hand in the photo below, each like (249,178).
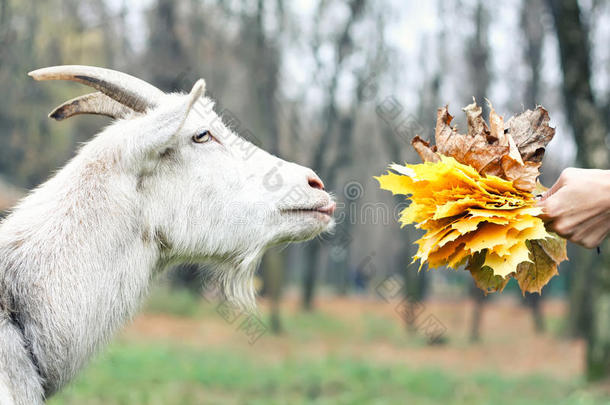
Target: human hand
(577,206)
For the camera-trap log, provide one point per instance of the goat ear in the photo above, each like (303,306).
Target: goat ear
(158,128)
(197,91)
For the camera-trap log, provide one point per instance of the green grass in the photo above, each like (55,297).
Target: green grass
(171,372)
(393,331)
(304,326)
(163,374)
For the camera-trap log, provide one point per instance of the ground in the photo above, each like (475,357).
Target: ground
(349,351)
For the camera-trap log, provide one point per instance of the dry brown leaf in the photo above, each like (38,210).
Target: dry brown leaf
(426,153)
(476,124)
(496,122)
(472,149)
(531,132)
(555,248)
(523,175)
(514,153)
(496,126)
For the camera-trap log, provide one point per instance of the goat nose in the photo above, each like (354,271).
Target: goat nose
(315,182)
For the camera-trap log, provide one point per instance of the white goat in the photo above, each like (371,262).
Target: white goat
(166,182)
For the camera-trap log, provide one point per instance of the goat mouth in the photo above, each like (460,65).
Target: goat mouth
(325,210)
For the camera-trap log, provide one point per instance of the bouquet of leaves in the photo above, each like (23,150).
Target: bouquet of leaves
(474,196)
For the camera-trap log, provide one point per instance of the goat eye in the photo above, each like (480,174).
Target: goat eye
(202,137)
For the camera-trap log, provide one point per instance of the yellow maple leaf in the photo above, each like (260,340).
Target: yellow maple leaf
(546,255)
(477,204)
(484,277)
(487,218)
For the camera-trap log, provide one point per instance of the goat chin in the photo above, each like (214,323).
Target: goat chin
(166,182)
(236,279)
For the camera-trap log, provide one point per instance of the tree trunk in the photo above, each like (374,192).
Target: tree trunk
(478,54)
(534,35)
(166,52)
(329,171)
(583,114)
(266,68)
(591,285)
(273,274)
(309,274)
(580,298)
(534,301)
(598,350)
(479,298)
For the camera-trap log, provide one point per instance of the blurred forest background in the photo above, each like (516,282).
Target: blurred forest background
(340,86)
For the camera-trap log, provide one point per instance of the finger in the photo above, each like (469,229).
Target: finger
(564,232)
(593,241)
(595,236)
(563,207)
(591,232)
(544,216)
(547,214)
(554,188)
(572,228)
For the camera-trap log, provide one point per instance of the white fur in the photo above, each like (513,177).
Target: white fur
(5,396)
(78,253)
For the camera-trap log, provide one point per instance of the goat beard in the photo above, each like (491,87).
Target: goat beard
(236,282)
(235,276)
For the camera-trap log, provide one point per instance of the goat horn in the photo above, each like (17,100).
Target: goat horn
(126,89)
(92,103)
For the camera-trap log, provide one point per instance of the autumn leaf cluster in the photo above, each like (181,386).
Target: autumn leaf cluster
(474,198)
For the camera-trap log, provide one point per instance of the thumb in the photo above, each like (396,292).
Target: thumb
(558,184)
